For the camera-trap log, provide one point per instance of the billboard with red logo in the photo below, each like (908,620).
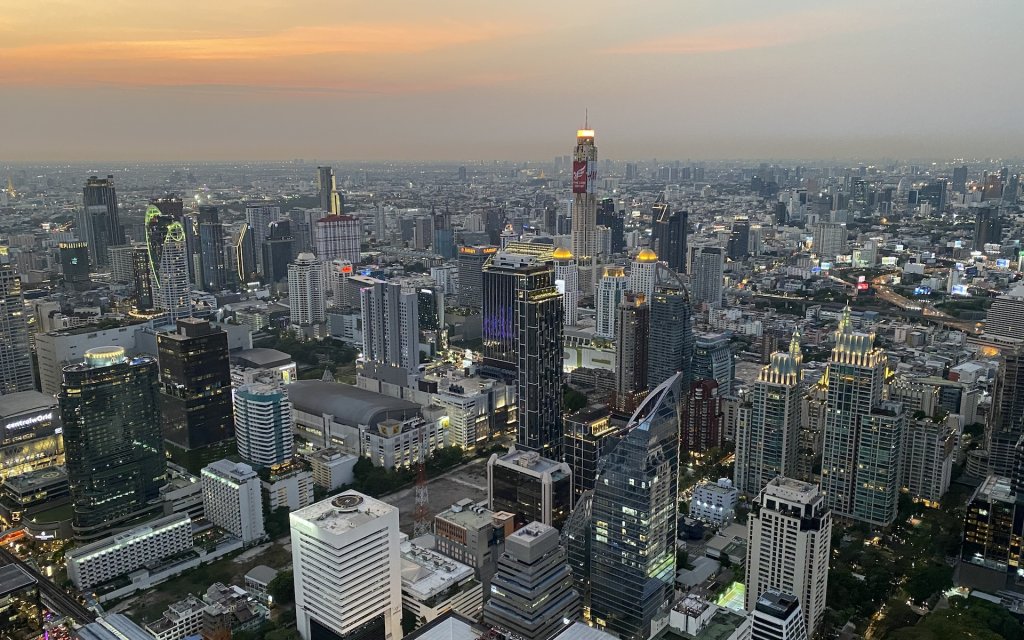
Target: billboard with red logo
(579,176)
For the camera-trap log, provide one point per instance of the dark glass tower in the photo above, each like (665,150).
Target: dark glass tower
(669,235)
(608,217)
(110,409)
(539,324)
(211,250)
(100,224)
(278,251)
(632,331)
(633,543)
(671,345)
(195,379)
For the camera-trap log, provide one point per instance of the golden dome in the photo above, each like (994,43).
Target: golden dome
(561,253)
(646,255)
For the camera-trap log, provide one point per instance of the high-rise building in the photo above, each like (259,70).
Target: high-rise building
(643,273)
(278,251)
(713,360)
(633,521)
(612,285)
(471,264)
(855,375)
(168,263)
(444,235)
(631,343)
(988,226)
(768,443)
(708,275)
(539,370)
(391,325)
(74,264)
(788,544)
(327,190)
(1005,426)
(232,499)
(263,424)
(739,239)
(567,279)
(259,216)
(245,266)
(584,205)
(879,460)
(829,239)
(614,221)
(338,236)
(212,271)
(669,235)
(306,295)
(530,487)
(99,222)
(671,344)
(110,409)
(346,555)
(959,181)
(195,380)
(519,266)
(778,616)
(589,434)
(702,417)
(928,449)
(532,594)
(15,354)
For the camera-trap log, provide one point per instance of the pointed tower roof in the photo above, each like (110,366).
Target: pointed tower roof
(794,345)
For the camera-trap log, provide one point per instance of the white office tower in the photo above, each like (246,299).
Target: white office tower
(777,616)
(346,555)
(643,272)
(338,272)
(263,424)
(609,294)
(767,443)
(790,530)
(306,291)
(391,327)
(232,499)
(567,280)
(708,275)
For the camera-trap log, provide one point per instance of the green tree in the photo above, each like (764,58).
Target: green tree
(282,588)
(928,579)
(573,400)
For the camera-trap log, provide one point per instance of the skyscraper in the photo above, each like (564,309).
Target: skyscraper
(306,295)
(444,235)
(15,354)
(99,222)
(278,251)
(855,375)
(195,380)
(333,541)
(739,239)
(110,409)
(612,285)
(608,216)
(634,512)
(669,234)
(259,216)
(567,279)
(988,226)
(471,264)
(213,272)
(263,424)
(767,443)
(671,345)
(708,274)
(338,236)
(532,594)
(643,273)
(539,370)
(74,264)
(327,190)
(702,417)
(790,533)
(713,360)
(584,205)
(391,326)
(168,263)
(631,343)
(829,239)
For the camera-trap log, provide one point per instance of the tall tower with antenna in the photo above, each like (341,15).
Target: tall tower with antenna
(584,205)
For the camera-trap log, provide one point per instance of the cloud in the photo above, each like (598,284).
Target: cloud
(774,31)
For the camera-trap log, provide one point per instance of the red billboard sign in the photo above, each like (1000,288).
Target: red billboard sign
(579,176)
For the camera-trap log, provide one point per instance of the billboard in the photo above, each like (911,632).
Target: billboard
(584,176)
(1002,263)
(889,261)
(959,290)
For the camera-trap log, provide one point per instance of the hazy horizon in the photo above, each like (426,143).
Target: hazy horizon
(456,81)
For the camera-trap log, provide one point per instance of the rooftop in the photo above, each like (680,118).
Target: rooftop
(24,402)
(343,512)
(450,626)
(348,404)
(260,357)
(32,480)
(262,574)
(790,489)
(469,515)
(13,577)
(426,573)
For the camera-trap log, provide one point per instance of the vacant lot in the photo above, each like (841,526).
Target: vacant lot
(466,481)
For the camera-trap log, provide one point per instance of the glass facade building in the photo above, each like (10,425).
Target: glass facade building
(634,513)
(110,408)
(670,340)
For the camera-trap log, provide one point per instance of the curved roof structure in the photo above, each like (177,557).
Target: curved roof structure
(349,405)
(561,253)
(646,255)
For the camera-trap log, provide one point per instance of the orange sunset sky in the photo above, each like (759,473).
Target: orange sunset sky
(479,80)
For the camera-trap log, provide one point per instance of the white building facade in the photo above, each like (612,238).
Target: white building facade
(232,499)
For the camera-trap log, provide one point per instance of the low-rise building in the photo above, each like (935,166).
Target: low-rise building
(288,485)
(714,502)
(433,584)
(181,620)
(257,582)
(230,610)
(332,469)
(30,437)
(183,493)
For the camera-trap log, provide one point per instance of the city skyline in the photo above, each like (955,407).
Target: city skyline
(747,80)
